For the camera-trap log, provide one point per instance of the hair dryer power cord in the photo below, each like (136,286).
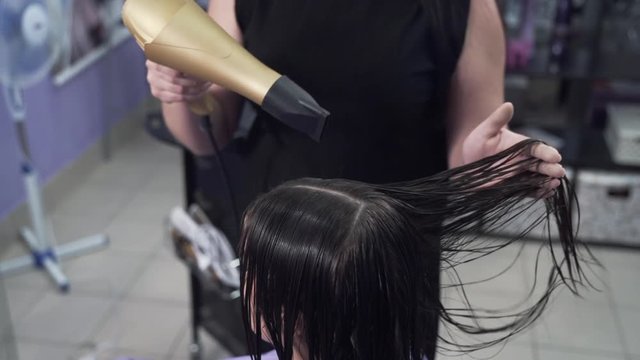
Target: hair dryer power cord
(207,127)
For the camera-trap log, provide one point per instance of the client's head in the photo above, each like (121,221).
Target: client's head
(333,269)
(337,269)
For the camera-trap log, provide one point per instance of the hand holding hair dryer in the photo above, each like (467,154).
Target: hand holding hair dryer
(179,34)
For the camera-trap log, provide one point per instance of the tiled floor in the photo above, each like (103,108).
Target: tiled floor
(128,300)
(132,298)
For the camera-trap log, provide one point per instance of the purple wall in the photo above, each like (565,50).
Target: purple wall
(65,121)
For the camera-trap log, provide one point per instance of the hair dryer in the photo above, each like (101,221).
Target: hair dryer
(180,35)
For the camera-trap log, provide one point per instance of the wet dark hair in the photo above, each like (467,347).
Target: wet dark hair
(340,265)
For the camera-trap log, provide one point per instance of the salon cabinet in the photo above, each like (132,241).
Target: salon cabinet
(610,207)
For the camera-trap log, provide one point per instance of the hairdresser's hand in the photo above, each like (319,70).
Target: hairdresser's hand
(493,136)
(169,85)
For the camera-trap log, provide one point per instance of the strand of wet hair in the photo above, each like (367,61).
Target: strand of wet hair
(463,204)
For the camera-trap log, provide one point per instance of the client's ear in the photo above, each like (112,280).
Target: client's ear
(298,333)
(264,333)
(300,348)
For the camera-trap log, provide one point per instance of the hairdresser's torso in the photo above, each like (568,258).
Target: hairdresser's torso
(369,64)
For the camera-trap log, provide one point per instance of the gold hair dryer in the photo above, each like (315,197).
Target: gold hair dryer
(180,35)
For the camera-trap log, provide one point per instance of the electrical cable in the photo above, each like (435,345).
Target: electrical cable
(207,127)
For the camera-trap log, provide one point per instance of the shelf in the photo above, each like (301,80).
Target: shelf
(610,68)
(586,148)
(576,67)
(583,148)
(543,74)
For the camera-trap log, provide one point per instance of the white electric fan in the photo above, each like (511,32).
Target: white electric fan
(30,37)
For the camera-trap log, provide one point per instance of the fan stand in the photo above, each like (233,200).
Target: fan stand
(44,255)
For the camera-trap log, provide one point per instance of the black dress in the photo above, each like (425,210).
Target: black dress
(380,67)
(367,62)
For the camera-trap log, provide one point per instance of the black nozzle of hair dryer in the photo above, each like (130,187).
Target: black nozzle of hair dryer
(289,103)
